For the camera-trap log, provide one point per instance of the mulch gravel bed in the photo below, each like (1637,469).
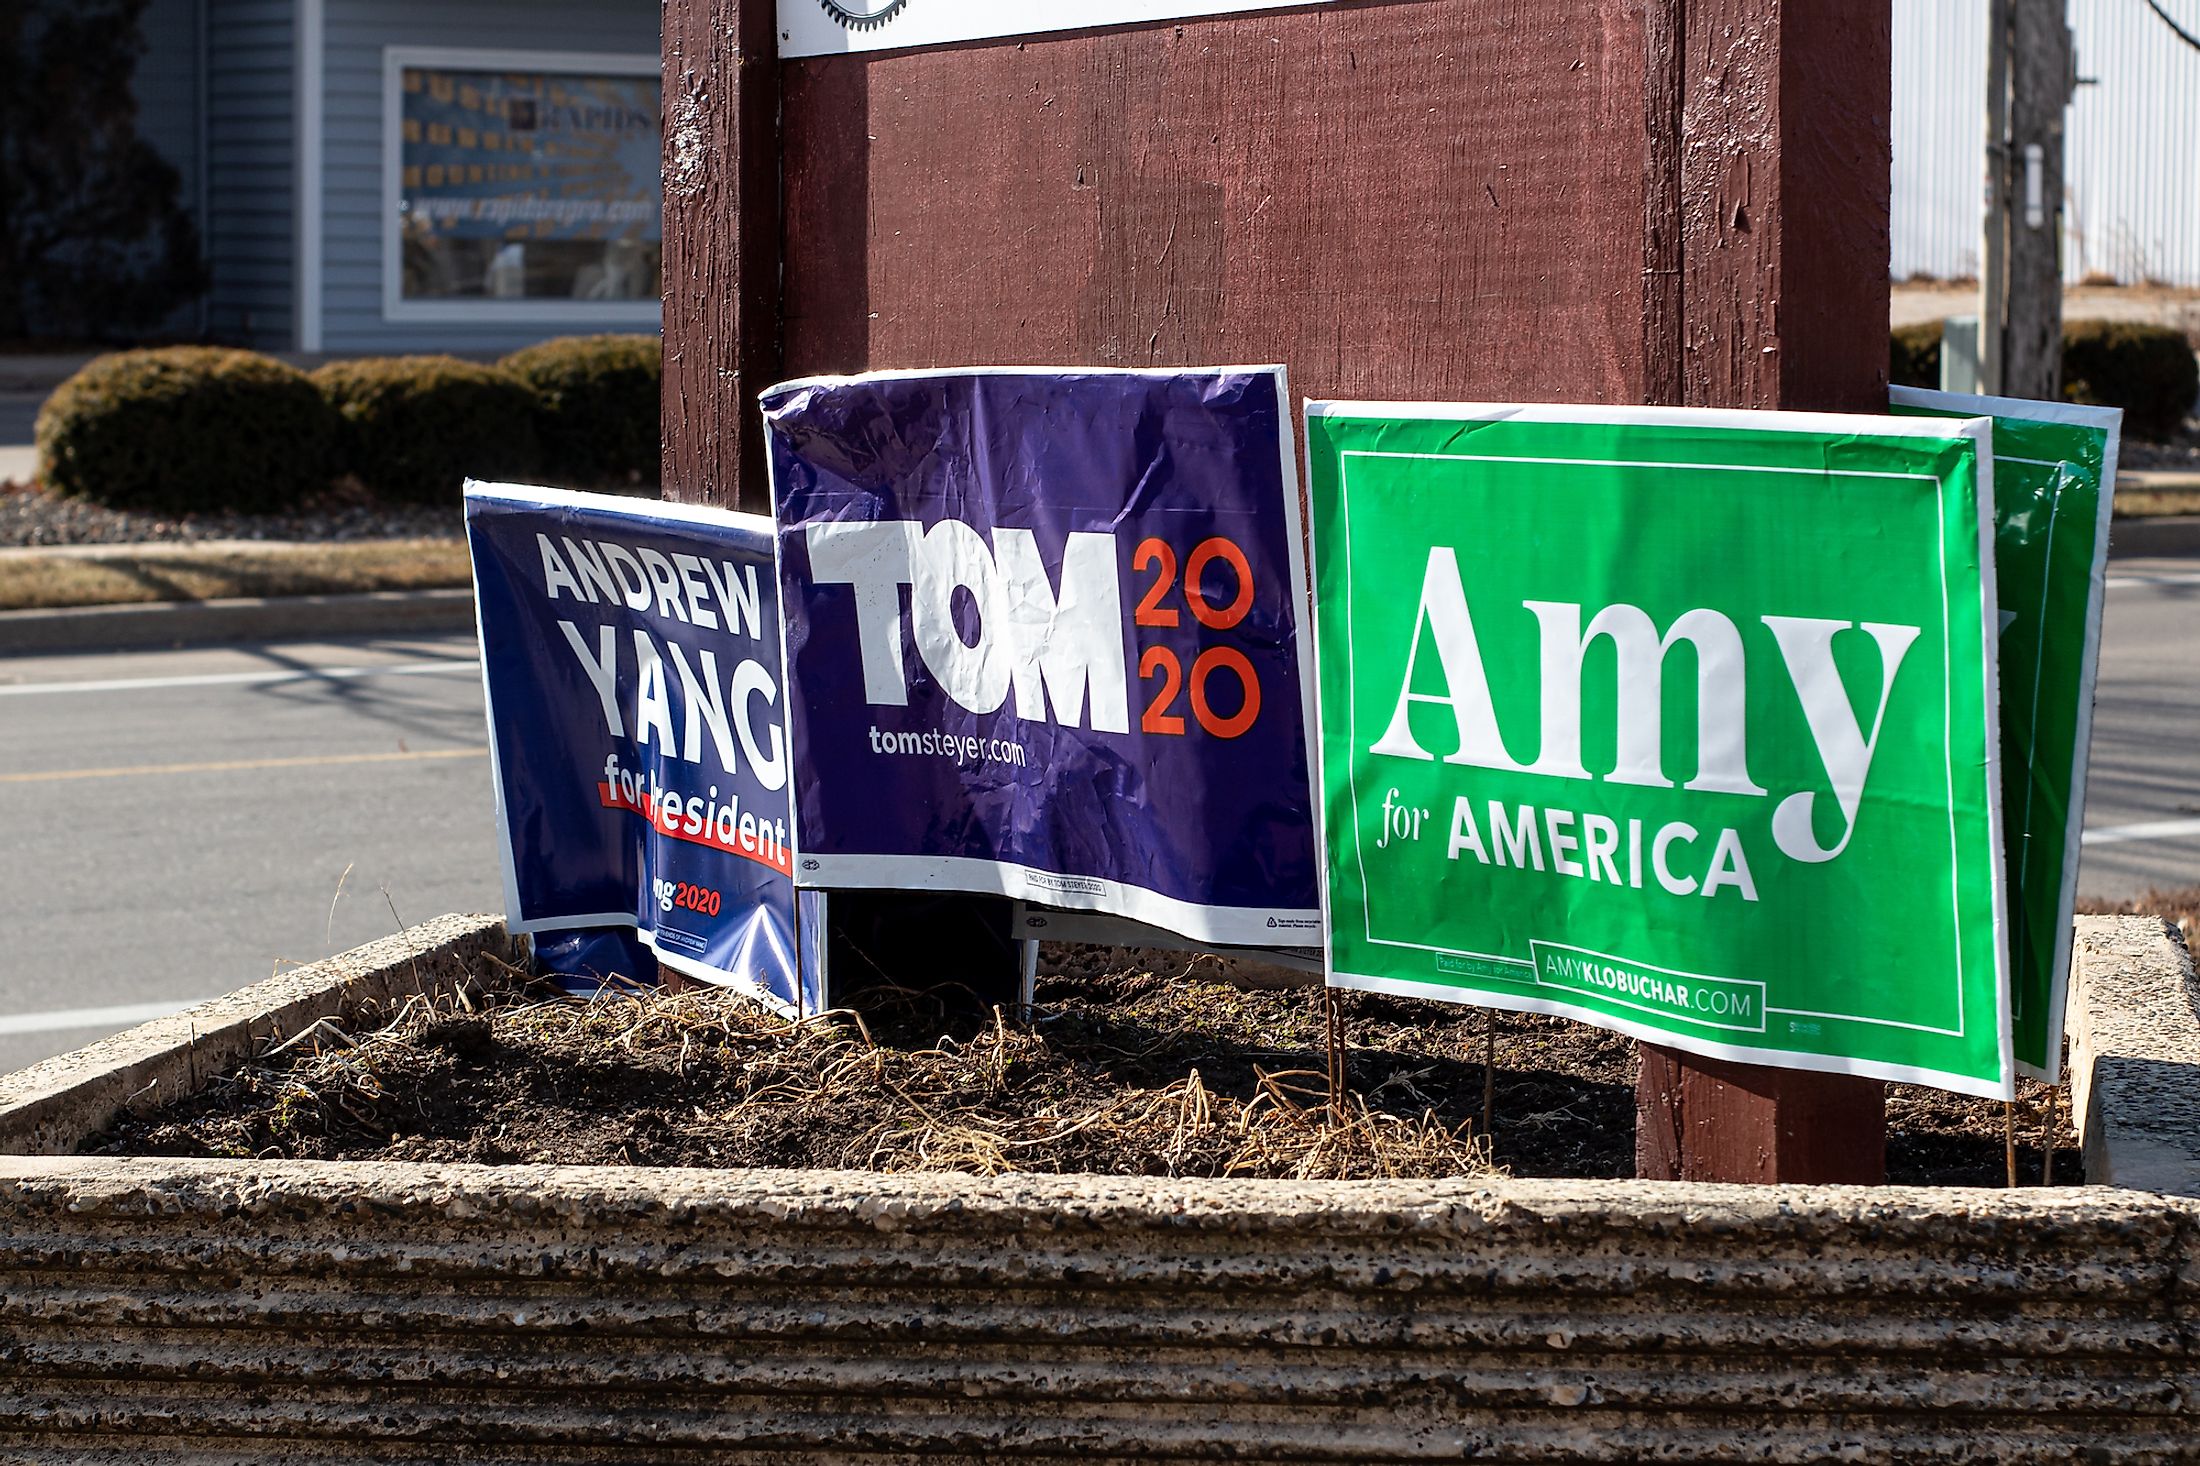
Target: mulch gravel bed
(30,516)
(2180,454)
(1126,1070)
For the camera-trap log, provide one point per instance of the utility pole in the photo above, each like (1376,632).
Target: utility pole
(1993,254)
(2030,76)
(2042,78)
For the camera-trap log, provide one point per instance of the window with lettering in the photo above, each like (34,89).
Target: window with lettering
(528,185)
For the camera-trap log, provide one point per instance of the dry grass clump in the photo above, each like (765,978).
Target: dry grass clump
(1150,1077)
(2181,907)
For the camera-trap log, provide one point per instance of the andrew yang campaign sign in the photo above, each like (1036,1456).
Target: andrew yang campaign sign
(631,654)
(1044,640)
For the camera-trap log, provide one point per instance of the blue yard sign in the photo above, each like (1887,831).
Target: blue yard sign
(631,656)
(1044,640)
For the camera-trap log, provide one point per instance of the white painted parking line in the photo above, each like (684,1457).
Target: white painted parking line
(245,679)
(125,1016)
(2148,830)
(2117,582)
(236,765)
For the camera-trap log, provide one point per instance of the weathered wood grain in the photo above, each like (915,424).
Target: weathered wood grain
(1438,199)
(1783,193)
(1663,25)
(1785,165)
(722,239)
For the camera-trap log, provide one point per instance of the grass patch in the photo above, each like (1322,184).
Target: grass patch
(176,573)
(2181,907)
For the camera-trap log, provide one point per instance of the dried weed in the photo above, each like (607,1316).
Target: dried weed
(704,1076)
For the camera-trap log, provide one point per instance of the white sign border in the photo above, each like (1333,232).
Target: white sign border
(817,28)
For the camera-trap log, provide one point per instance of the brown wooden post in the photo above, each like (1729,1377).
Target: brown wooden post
(1671,201)
(1783,192)
(722,246)
(1429,199)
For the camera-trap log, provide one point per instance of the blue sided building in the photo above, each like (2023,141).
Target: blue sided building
(374,176)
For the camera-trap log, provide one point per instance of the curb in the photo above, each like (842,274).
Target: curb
(244,618)
(52,1106)
(2156,480)
(2134,1046)
(187,549)
(2167,537)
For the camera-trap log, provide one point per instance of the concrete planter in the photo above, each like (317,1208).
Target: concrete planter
(219,1310)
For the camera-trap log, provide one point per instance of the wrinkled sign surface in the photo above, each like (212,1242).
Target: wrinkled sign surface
(630,651)
(1044,641)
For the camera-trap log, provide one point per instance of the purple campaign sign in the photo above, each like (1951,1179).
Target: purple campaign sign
(630,652)
(1043,640)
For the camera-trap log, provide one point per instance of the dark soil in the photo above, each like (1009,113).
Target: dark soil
(1125,1070)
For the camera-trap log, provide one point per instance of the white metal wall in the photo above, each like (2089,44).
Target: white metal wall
(2132,206)
(2134,202)
(1939,132)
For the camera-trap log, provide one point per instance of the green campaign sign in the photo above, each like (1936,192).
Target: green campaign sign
(1682,723)
(2054,478)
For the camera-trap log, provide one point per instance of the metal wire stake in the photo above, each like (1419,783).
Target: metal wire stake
(1489,1067)
(2009,1137)
(1336,1055)
(2047,1141)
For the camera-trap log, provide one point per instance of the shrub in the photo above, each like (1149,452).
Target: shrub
(187,428)
(598,396)
(415,427)
(2148,371)
(1913,355)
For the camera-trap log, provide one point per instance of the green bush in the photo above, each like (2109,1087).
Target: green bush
(598,396)
(416,427)
(1913,355)
(2148,371)
(188,428)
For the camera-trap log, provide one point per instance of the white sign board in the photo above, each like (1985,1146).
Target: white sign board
(830,27)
